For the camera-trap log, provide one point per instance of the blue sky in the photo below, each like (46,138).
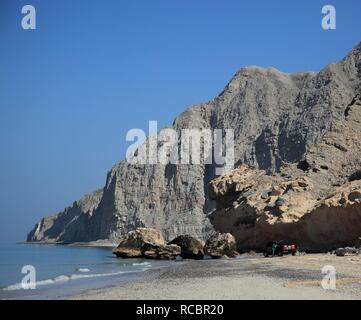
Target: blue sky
(92,70)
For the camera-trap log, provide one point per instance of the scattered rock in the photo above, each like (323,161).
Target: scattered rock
(219,245)
(192,248)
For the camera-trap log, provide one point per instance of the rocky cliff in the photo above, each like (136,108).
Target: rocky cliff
(316,202)
(278,119)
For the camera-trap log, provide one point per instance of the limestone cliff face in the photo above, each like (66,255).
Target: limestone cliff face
(277,118)
(316,202)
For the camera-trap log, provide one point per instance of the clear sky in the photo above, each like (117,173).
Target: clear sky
(93,69)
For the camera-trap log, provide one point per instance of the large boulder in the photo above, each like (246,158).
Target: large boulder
(131,244)
(161,252)
(191,247)
(340,252)
(219,245)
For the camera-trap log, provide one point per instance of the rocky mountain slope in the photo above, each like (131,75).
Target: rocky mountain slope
(277,118)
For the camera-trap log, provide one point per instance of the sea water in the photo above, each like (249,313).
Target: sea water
(62,271)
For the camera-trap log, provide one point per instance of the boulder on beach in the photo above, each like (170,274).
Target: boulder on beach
(131,244)
(340,252)
(191,247)
(219,245)
(160,252)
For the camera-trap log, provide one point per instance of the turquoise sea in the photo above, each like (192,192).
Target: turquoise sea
(61,271)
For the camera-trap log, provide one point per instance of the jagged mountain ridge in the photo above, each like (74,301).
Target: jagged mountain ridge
(276,118)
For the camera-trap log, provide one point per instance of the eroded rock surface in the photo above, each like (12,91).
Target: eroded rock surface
(316,202)
(161,252)
(192,248)
(132,244)
(220,245)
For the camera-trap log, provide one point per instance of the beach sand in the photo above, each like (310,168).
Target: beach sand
(247,277)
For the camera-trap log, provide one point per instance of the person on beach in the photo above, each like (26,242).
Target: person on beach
(274,246)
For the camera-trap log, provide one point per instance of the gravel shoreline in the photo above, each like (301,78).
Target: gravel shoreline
(246,277)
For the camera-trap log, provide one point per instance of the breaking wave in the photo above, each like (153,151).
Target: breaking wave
(66,278)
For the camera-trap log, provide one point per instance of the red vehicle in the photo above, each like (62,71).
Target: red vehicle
(280,247)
